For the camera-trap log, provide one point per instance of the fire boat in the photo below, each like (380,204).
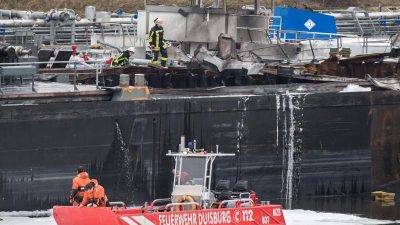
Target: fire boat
(192,202)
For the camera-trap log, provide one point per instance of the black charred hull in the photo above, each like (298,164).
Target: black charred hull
(324,144)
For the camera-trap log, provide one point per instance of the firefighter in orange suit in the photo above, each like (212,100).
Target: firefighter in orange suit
(95,195)
(78,186)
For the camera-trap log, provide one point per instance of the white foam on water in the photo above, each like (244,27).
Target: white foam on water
(306,217)
(36,213)
(28,221)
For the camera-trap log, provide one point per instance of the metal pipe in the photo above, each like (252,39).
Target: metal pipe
(272,6)
(140,61)
(21,22)
(23,14)
(26,22)
(109,45)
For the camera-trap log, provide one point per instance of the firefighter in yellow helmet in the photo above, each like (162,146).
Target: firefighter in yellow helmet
(122,59)
(157,43)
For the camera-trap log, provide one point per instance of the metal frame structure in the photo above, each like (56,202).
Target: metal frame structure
(97,66)
(209,160)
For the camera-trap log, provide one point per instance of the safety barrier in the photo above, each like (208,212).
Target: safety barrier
(21,69)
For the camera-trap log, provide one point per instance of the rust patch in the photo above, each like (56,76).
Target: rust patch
(385,145)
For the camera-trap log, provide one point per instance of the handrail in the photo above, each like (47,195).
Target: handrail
(159,200)
(171,205)
(244,193)
(118,204)
(332,35)
(243,200)
(75,62)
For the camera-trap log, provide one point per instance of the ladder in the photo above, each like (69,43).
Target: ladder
(364,24)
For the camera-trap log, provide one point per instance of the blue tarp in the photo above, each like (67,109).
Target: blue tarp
(294,19)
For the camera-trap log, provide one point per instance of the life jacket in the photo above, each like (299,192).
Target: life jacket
(79,183)
(97,196)
(121,59)
(156,38)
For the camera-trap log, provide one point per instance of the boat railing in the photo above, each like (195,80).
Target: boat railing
(30,69)
(242,194)
(118,205)
(173,206)
(234,203)
(160,202)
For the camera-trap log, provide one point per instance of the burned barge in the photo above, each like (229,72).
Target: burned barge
(293,142)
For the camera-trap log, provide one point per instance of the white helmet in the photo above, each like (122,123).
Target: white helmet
(159,21)
(131,49)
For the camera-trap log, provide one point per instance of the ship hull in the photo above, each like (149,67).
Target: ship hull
(289,146)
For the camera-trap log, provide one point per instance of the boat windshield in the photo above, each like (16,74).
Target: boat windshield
(193,171)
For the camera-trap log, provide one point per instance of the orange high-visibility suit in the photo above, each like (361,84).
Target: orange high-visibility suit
(97,196)
(78,187)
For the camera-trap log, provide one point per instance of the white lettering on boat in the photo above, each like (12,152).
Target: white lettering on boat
(196,218)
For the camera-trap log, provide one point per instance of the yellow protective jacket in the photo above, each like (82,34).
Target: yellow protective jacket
(156,38)
(121,59)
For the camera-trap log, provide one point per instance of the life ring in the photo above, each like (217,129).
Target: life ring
(184,198)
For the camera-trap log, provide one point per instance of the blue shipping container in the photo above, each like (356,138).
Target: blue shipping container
(294,19)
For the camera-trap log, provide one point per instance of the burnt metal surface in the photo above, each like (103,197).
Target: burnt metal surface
(51,93)
(359,66)
(123,143)
(175,77)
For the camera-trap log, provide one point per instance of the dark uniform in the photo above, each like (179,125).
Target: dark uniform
(121,59)
(156,39)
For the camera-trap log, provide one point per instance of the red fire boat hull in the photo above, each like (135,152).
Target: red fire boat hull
(266,214)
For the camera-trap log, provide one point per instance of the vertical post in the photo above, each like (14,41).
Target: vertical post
(75,74)
(33,82)
(97,75)
(1,79)
(205,175)
(175,172)
(272,6)
(73,33)
(74,51)
(52,33)
(256,7)
(182,144)
(211,169)
(180,170)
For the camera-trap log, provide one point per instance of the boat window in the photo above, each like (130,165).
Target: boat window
(192,171)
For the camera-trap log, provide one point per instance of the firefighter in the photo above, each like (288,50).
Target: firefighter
(122,59)
(78,186)
(95,195)
(157,43)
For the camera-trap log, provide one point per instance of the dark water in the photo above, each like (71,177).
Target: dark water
(362,206)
